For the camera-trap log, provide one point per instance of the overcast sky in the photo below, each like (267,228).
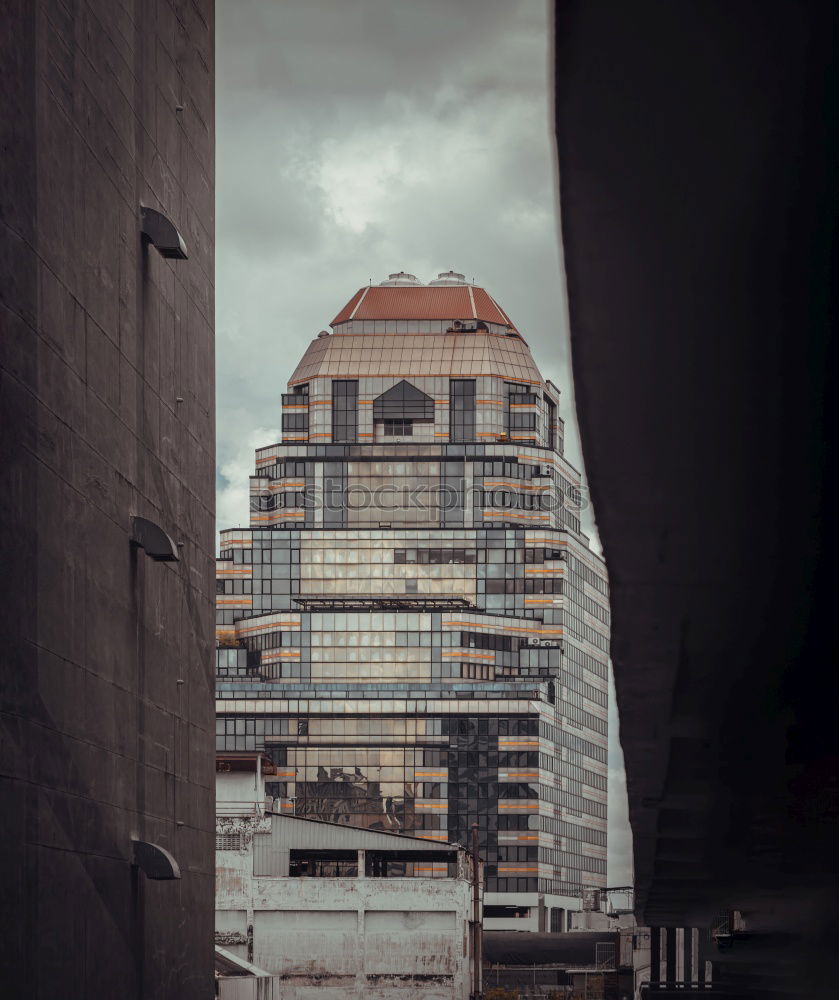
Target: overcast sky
(360,137)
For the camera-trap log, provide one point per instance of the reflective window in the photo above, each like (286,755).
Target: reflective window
(462,409)
(344,410)
(397,428)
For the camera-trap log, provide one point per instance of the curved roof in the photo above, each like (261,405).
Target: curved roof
(417,355)
(437,302)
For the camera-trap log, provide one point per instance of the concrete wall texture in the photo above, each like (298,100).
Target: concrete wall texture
(376,938)
(106,410)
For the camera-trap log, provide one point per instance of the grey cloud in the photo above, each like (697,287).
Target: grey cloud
(454,94)
(334,52)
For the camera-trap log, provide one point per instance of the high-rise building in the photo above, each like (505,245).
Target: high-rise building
(414,626)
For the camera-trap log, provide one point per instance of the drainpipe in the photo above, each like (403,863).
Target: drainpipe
(477,942)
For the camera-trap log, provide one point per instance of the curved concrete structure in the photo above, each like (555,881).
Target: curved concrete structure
(698,216)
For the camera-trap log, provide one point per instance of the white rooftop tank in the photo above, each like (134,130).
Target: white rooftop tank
(449,278)
(401,278)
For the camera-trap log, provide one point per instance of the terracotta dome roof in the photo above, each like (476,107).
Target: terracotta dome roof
(432,302)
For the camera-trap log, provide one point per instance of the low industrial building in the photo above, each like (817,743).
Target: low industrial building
(621,963)
(338,911)
(575,965)
(237,979)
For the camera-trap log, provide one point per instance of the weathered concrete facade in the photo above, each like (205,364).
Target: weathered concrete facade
(106,411)
(237,979)
(358,935)
(355,937)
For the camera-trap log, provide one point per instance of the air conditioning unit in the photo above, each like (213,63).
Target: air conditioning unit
(546,470)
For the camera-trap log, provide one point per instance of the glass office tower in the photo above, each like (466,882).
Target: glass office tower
(413,626)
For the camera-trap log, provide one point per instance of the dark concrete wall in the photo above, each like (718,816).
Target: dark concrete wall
(100,336)
(698,167)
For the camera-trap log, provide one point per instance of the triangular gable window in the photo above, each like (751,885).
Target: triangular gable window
(403,401)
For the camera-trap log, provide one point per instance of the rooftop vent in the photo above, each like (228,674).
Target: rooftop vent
(323,333)
(449,278)
(402,278)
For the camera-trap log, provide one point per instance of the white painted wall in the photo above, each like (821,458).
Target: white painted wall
(239,786)
(530,899)
(370,938)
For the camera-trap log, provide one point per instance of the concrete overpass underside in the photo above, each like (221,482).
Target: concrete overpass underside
(698,178)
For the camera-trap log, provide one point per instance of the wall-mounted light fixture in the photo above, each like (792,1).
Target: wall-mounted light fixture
(162,234)
(153,540)
(155,861)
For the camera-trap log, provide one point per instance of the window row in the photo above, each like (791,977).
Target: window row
(271,640)
(578,657)
(593,608)
(522,421)
(279,501)
(514,501)
(517,585)
(483,640)
(512,470)
(577,863)
(576,803)
(590,577)
(540,555)
(437,556)
(583,718)
(477,671)
(397,428)
(562,828)
(561,737)
(580,630)
(406,728)
(573,771)
(573,682)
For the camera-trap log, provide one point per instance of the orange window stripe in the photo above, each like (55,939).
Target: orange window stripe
(511,628)
(271,626)
(470,655)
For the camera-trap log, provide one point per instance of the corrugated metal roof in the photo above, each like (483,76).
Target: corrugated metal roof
(422,302)
(297,832)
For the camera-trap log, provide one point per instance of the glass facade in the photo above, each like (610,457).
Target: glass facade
(344,410)
(417,633)
(462,409)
